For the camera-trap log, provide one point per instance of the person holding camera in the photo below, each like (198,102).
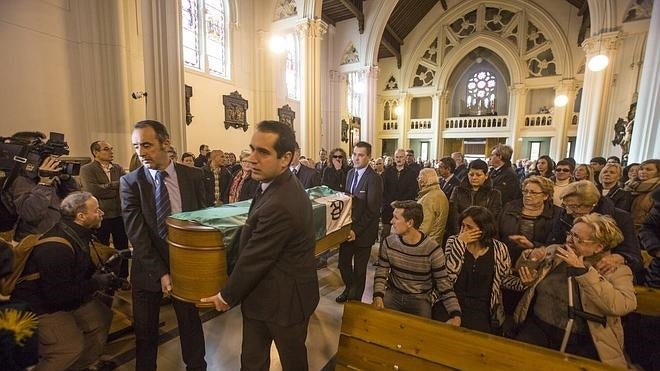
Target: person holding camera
(73,323)
(37,193)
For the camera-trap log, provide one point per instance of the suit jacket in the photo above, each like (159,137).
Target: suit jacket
(308,177)
(151,258)
(398,187)
(209,184)
(94,181)
(365,210)
(274,278)
(448,186)
(321,165)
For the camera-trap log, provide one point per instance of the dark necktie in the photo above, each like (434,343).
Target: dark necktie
(355,182)
(163,207)
(442,183)
(295,172)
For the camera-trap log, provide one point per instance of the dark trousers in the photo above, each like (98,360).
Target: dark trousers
(115,227)
(353,261)
(146,310)
(536,332)
(289,340)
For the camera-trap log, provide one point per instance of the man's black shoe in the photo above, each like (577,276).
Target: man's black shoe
(342,297)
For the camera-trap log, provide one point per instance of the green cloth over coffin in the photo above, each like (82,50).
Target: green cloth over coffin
(230,218)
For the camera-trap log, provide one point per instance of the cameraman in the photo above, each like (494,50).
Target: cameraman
(73,325)
(37,193)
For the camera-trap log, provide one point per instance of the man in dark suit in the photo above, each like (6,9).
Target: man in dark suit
(274,278)
(461,166)
(101,178)
(448,181)
(148,195)
(217,179)
(323,161)
(307,176)
(503,176)
(203,158)
(366,188)
(399,184)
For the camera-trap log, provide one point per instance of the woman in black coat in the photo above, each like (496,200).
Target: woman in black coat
(334,175)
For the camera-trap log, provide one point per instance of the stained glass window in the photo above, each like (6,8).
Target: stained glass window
(480,97)
(354,91)
(206,48)
(293,67)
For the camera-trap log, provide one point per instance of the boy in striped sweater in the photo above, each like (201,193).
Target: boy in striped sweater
(411,268)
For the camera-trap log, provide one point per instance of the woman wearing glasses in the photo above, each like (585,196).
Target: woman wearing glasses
(563,276)
(582,198)
(334,176)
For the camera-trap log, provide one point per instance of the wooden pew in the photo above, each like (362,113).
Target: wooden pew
(374,339)
(648,301)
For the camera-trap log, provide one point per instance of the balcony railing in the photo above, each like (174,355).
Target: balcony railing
(390,125)
(544,119)
(479,122)
(421,124)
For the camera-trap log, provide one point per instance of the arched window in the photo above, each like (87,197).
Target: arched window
(293,66)
(205,36)
(480,96)
(354,90)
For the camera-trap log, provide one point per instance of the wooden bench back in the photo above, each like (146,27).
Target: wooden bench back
(374,339)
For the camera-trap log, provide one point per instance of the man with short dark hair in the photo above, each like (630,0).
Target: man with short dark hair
(448,181)
(307,176)
(613,160)
(502,175)
(73,324)
(203,158)
(149,195)
(597,164)
(274,279)
(323,161)
(101,178)
(366,188)
(411,163)
(399,183)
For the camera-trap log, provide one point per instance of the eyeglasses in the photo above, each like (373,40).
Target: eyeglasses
(562,170)
(529,192)
(576,238)
(336,156)
(577,207)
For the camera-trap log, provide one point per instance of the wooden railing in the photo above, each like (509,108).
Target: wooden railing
(480,122)
(421,124)
(374,339)
(544,119)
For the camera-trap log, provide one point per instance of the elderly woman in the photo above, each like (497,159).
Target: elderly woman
(583,172)
(609,187)
(582,198)
(334,175)
(648,179)
(556,272)
(475,190)
(243,187)
(434,203)
(479,266)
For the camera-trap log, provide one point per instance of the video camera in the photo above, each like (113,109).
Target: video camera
(108,266)
(30,153)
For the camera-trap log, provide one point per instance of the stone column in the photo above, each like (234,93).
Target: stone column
(332,111)
(163,66)
(435,124)
(517,102)
(311,32)
(443,112)
(561,118)
(404,120)
(263,78)
(595,98)
(645,133)
(370,104)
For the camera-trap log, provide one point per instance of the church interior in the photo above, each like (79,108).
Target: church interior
(563,78)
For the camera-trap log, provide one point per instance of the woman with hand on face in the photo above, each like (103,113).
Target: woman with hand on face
(479,267)
(475,190)
(334,176)
(543,313)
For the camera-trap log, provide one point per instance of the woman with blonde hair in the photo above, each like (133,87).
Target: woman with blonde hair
(583,172)
(242,186)
(563,280)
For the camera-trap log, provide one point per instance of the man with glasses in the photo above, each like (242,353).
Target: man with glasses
(582,198)
(502,175)
(101,178)
(563,172)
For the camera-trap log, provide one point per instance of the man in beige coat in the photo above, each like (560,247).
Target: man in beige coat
(434,203)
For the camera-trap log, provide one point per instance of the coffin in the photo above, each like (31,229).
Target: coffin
(203,243)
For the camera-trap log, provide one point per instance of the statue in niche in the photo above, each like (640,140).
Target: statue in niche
(623,133)
(188,95)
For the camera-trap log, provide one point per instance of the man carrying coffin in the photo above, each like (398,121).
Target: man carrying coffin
(274,278)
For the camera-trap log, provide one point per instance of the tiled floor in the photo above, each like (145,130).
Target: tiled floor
(223,332)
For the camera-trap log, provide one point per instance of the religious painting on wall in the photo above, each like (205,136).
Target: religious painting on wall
(235,111)
(286,116)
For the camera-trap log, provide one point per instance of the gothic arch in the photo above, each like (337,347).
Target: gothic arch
(513,51)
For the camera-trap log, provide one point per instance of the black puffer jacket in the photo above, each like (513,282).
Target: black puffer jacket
(510,225)
(463,197)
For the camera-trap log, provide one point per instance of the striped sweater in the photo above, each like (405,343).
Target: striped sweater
(415,269)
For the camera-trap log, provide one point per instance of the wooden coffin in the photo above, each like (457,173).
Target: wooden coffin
(198,259)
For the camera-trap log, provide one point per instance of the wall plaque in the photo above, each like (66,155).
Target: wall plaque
(286,115)
(235,111)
